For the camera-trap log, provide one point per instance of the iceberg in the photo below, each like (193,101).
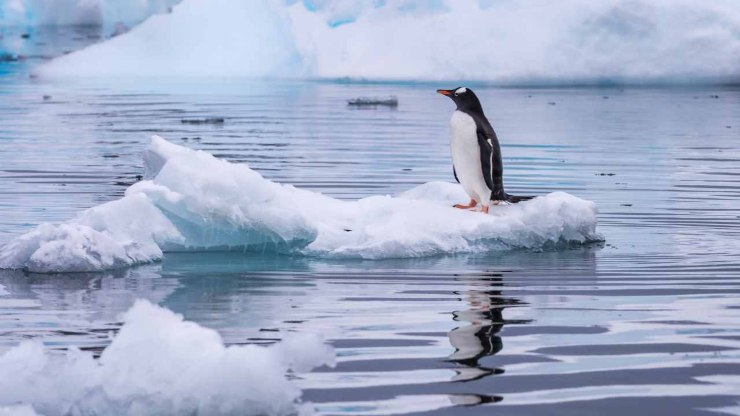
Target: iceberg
(233,38)
(524,42)
(159,364)
(107,13)
(193,201)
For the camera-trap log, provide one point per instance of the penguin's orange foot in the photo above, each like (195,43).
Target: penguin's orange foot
(471,204)
(484,209)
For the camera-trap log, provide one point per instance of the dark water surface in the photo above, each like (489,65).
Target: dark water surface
(646,323)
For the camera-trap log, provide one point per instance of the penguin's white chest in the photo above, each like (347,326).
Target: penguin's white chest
(466,156)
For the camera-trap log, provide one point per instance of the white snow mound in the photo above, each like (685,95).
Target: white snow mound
(194,201)
(158,364)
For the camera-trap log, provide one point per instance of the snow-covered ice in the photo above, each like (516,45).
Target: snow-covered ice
(191,200)
(506,42)
(194,201)
(159,364)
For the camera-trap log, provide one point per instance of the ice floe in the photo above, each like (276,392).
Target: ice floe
(159,364)
(192,201)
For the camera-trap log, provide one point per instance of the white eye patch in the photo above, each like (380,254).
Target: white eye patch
(461,90)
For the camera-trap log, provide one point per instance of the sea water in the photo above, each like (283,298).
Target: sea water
(646,321)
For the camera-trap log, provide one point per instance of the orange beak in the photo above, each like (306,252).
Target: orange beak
(445,92)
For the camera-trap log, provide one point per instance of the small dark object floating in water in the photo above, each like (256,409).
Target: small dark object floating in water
(26,35)
(209,120)
(605,174)
(47,97)
(552,103)
(391,101)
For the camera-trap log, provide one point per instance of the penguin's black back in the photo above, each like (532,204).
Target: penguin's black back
(491,162)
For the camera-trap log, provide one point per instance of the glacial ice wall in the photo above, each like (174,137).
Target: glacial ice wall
(159,364)
(500,41)
(32,13)
(194,201)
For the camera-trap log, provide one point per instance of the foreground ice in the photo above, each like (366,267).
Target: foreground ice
(506,42)
(158,364)
(194,201)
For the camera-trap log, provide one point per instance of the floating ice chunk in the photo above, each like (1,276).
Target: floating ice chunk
(391,101)
(116,234)
(194,201)
(158,364)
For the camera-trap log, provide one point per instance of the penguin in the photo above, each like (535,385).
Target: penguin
(476,155)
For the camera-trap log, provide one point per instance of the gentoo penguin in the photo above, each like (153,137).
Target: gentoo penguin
(476,155)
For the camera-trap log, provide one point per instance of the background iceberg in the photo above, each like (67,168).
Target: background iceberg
(32,13)
(505,41)
(159,364)
(194,201)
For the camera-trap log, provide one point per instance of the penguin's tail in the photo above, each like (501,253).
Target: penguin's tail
(515,198)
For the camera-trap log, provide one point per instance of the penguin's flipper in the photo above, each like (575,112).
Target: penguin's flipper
(454,173)
(492,166)
(486,157)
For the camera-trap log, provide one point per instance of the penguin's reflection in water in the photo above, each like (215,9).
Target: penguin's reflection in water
(477,337)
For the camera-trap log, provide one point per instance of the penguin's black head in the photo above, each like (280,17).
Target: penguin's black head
(464,98)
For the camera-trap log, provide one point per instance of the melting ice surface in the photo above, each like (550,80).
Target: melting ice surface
(159,364)
(194,201)
(507,42)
